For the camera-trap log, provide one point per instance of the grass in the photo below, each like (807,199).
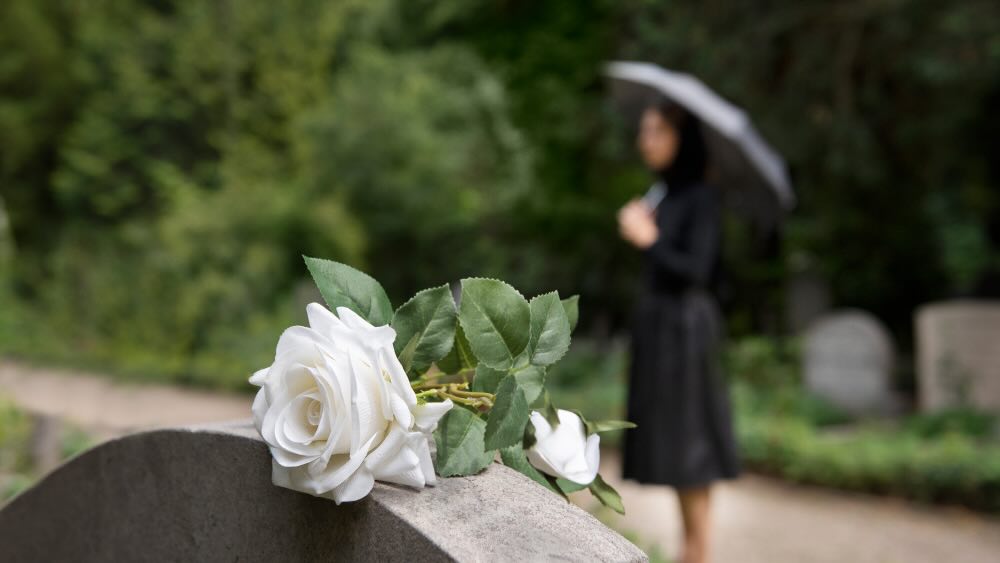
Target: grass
(17,470)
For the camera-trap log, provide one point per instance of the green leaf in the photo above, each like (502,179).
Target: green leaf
(343,286)
(554,483)
(459,439)
(607,426)
(568,486)
(505,426)
(460,357)
(406,355)
(607,495)
(532,381)
(430,317)
(572,307)
(496,320)
(515,458)
(487,379)
(529,435)
(549,410)
(549,338)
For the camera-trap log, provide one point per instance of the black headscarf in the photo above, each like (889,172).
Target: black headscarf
(690,164)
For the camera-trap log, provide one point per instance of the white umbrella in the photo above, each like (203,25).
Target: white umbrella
(752,173)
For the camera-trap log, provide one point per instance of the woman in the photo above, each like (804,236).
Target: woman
(676,395)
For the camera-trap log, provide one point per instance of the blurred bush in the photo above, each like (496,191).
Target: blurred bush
(947,457)
(592,378)
(17,470)
(165,163)
(950,457)
(15,432)
(206,149)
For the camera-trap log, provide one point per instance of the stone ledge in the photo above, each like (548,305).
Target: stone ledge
(205,494)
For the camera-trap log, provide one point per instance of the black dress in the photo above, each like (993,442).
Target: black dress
(677,395)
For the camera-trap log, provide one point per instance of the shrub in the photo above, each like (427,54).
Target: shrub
(944,467)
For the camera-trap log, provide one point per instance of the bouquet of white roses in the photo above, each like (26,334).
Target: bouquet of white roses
(357,395)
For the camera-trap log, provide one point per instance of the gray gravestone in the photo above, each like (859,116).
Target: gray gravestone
(958,355)
(206,495)
(848,360)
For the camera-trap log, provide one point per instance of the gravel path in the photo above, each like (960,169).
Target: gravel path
(756,519)
(764,520)
(107,407)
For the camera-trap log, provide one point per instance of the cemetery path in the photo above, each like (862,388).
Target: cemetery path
(757,519)
(106,407)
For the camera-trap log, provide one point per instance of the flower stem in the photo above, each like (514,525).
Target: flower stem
(429,393)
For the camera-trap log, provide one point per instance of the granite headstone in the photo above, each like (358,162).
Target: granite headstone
(958,355)
(206,495)
(849,359)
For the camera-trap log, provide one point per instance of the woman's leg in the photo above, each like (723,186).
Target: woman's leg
(695,514)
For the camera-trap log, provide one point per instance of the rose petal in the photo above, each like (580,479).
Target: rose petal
(338,409)
(427,415)
(565,451)
(286,434)
(259,408)
(400,411)
(423,450)
(397,375)
(260,376)
(323,321)
(355,488)
(367,416)
(328,476)
(395,462)
(289,459)
(388,448)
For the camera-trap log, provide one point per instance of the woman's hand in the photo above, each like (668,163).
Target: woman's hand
(637,224)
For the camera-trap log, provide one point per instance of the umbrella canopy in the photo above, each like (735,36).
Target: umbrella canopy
(752,173)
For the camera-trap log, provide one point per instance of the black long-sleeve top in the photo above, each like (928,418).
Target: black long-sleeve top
(688,251)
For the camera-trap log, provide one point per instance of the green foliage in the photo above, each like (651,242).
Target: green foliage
(15,433)
(420,145)
(608,496)
(550,328)
(344,286)
(531,380)
(763,361)
(460,357)
(965,422)
(158,219)
(912,462)
(460,446)
(515,458)
(607,426)
(505,425)
(487,379)
(17,472)
(494,317)
(429,318)
(572,307)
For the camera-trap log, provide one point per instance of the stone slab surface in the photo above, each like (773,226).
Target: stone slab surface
(205,494)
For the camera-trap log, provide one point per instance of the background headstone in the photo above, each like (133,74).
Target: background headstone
(958,355)
(849,358)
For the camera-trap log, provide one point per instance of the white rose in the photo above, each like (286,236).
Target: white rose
(338,412)
(567,451)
